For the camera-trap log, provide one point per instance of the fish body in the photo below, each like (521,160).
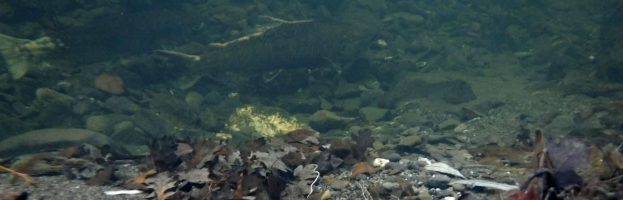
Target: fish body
(294,45)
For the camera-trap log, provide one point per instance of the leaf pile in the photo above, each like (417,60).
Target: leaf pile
(284,167)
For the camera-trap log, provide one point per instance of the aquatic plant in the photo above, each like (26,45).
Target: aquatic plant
(248,119)
(21,55)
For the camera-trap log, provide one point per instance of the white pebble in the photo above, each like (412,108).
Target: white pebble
(380,162)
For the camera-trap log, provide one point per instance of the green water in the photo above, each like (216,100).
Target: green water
(488,71)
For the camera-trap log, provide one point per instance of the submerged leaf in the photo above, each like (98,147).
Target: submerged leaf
(306,177)
(271,159)
(163,186)
(568,155)
(363,139)
(198,176)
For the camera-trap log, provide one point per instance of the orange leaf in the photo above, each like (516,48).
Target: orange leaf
(362,168)
(140,180)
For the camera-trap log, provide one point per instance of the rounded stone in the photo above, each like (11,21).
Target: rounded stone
(99,123)
(390,185)
(411,140)
(194,99)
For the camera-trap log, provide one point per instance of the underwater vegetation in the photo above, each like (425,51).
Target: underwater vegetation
(20,55)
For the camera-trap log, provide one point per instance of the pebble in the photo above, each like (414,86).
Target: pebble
(449,124)
(411,140)
(372,114)
(390,185)
(458,187)
(339,184)
(380,162)
(461,128)
(392,156)
(438,181)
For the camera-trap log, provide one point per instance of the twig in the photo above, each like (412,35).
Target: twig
(27,179)
(178,54)
(240,39)
(311,186)
(286,21)
(259,33)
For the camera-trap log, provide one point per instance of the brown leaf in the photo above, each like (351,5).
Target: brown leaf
(140,180)
(615,158)
(163,186)
(363,140)
(362,168)
(102,177)
(198,176)
(598,167)
(183,149)
(13,195)
(27,179)
(300,135)
(271,159)
(539,145)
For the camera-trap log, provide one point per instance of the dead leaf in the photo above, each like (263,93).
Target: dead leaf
(539,145)
(271,159)
(140,180)
(363,140)
(163,186)
(362,168)
(304,136)
(103,176)
(306,176)
(615,158)
(198,176)
(183,149)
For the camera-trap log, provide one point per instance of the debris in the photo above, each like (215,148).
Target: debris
(163,186)
(122,192)
(306,177)
(362,168)
(25,177)
(444,168)
(197,176)
(270,159)
(140,180)
(485,184)
(178,54)
(363,140)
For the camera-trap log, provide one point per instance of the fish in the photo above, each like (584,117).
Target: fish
(287,46)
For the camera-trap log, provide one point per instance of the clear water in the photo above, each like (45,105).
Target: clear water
(480,72)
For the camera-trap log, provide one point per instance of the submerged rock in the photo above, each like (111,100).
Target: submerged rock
(372,114)
(118,104)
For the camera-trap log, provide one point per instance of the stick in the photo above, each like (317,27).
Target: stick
(27,179)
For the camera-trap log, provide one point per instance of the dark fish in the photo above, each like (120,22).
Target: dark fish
(306,44)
